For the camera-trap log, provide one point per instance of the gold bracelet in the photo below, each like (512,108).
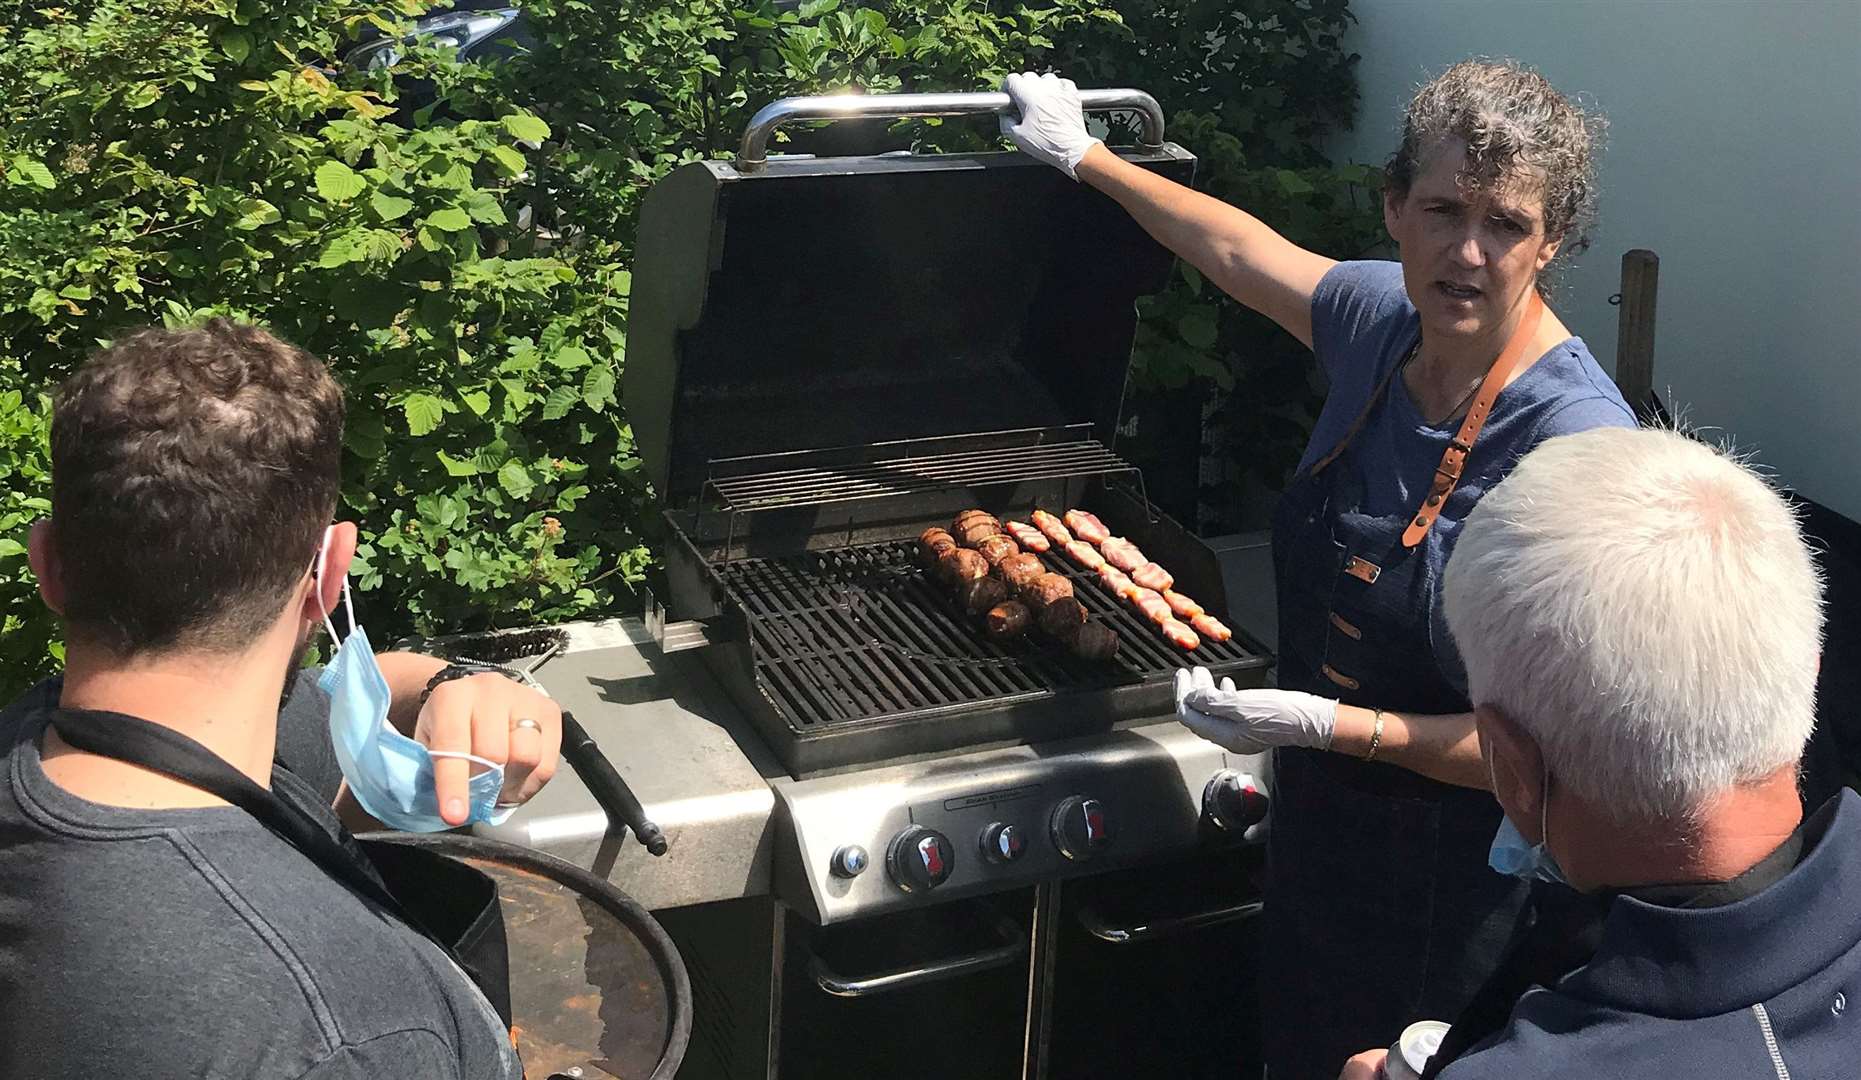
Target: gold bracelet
(1376,737)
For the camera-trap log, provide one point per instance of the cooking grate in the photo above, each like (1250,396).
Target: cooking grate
(908,467)
(862,633)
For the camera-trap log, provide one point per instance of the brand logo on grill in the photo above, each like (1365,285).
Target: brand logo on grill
(931,853)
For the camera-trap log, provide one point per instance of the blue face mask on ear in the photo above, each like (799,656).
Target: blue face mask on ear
(1510,853)
(389,774)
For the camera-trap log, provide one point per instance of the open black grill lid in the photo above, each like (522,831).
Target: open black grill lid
(808,303)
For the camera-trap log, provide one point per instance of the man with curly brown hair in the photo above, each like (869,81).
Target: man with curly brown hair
(177,912)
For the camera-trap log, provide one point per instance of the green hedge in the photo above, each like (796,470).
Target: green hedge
(465,269)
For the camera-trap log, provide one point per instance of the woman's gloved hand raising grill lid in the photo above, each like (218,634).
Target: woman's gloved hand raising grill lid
(1052,124)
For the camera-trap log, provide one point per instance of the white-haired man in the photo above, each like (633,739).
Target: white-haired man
(1640,620)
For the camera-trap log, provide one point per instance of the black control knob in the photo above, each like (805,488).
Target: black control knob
(920,859)
(1232,801)
(1002,842)
(1079,827)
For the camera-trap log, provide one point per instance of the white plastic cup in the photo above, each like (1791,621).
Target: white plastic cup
(1410,1054)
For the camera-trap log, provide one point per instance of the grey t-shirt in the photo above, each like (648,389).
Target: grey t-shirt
(195,943)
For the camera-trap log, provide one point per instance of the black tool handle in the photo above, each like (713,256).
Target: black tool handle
(597,772)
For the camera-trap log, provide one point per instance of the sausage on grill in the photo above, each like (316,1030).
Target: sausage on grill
(960,565)
(973,534)
(1062,618)
(1045,589)
(1122,554)
(1051,527)
(981,594)
(1179,635)
(1085,555)
(1181,606)
(932,543)
(1210,627)
(1114,579)
(996,548)
(1087,526)
(1028,536)
(1008,619)
(1094,641)
(973,517)
(1154,607)
(1019,570)
(1152,576)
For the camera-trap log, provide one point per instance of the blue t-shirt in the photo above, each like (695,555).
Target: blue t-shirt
(1362,325)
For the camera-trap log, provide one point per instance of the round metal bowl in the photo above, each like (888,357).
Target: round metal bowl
(597,989)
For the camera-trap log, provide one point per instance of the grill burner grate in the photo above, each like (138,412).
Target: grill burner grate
(857,474)
(861,634)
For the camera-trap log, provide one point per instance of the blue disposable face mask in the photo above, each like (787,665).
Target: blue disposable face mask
(389,774)
(1510,853)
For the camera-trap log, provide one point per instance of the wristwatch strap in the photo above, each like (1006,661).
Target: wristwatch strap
(461,669)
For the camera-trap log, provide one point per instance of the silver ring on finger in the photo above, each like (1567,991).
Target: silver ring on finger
(525,723)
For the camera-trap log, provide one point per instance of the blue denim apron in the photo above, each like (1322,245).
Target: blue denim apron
(1380,908)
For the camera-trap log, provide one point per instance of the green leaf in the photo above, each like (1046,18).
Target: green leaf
(455,467)
(476,400)
(236,45)
(813,9)
(1197,327)
(559,402)
(389,207)
(337,182)
(514,478)
(484,208)
(451,219)
(491,457)
(359,245)
(424,413)
(598,387)
(369,303)
(31,170)
(570,358)
(11,548)
(364,435)
(255,212)
(509,159)
(141,95)
(1293,184)
(526,127)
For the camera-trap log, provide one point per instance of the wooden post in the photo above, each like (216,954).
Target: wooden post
(1634,343)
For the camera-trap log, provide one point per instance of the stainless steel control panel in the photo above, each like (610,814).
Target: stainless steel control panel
(883,839)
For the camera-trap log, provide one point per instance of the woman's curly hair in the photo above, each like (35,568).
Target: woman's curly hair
(1512,119)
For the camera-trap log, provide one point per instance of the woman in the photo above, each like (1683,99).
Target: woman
(1444,369)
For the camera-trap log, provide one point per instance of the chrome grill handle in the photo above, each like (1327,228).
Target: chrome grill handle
(753,154)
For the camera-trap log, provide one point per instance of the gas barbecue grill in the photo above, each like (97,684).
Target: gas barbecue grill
(828,355)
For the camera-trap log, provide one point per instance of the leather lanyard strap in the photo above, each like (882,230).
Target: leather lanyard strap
(1363,417)
(1454,459)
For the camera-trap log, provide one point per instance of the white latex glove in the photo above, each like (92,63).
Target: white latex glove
(1252,721)
(1052,126)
